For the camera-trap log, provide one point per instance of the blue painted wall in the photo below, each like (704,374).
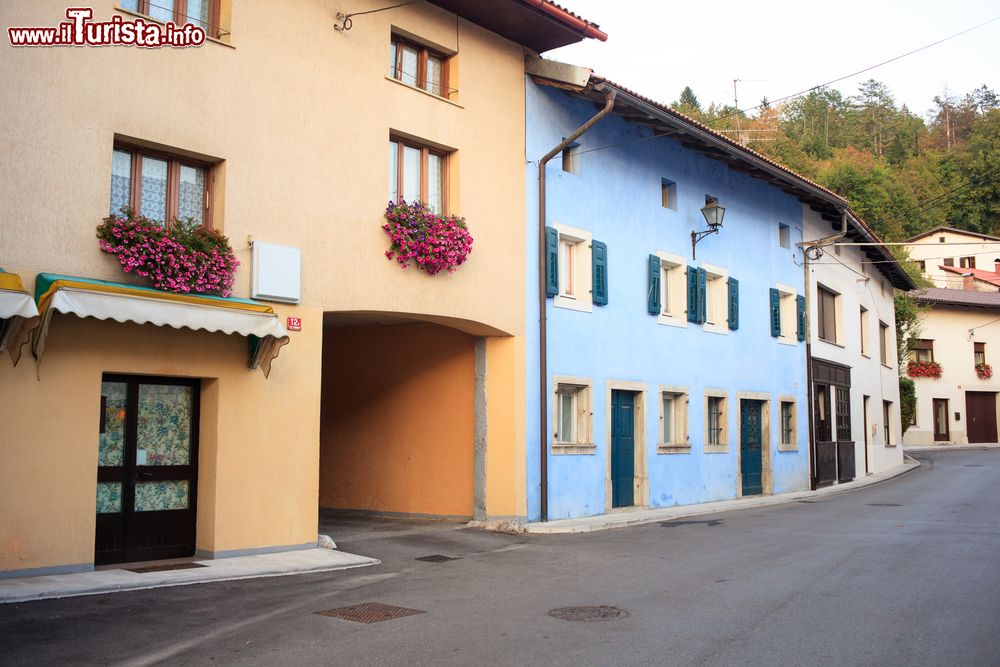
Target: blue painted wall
(616,196)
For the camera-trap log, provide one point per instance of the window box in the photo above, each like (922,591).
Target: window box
(984,371)
(924,369)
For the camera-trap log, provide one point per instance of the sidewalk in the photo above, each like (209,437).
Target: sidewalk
(635,517)
(946,447)
(23,589)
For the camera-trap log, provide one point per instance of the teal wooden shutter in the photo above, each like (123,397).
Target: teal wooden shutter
(734,304)
(800,317)
(702,296)
(653,286)
(692,274)
(775,312)
(599,261)
(551,261)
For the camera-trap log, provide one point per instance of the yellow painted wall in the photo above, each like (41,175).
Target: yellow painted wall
(259,438)
(298,117)
(300,114)
(398,420)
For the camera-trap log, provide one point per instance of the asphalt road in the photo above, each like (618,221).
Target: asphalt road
(902,573)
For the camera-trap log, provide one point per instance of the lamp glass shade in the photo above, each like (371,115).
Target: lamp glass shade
(713,213)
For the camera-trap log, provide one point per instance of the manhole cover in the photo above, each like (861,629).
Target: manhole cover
(370,612)
(884,505)
(436,558)
(165,568)
(592,613)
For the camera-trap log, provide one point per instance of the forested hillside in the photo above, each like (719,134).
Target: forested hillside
(904,171)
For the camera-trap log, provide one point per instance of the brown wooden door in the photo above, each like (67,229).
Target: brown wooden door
(941,432)
(981,416)
(147,471)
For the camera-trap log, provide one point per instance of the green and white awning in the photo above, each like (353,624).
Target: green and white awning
(18,315)
(104,300)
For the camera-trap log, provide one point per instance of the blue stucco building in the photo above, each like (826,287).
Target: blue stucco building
(670,380)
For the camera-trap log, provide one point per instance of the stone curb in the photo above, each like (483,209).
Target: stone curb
(948,448)
(48,587)
(622,520)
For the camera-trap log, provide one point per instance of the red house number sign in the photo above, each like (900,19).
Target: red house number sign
(295,324)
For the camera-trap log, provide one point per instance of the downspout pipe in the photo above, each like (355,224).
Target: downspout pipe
(808,246)
(543,372)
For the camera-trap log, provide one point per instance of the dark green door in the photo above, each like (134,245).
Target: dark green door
(751,436)
(622,448)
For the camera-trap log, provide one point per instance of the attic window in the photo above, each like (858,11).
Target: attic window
(571,159)
(940,239)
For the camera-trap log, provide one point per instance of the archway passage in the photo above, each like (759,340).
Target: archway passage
(398,422)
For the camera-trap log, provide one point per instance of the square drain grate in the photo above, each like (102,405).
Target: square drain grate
(165,568)
(370,612)
(435,558)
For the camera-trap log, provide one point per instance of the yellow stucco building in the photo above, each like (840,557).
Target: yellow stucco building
(289,128)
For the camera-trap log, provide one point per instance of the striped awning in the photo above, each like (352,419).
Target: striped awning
(18,315)
(103,300)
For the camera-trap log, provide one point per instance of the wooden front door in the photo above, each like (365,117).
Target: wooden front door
(147,472)
(941,432)
(981,416)
(751,450)
(622,448)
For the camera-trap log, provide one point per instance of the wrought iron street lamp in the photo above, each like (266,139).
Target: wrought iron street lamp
(713,216)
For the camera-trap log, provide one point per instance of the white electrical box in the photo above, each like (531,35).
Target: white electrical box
(277,273)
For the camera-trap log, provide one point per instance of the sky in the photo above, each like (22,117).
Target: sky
(780,47)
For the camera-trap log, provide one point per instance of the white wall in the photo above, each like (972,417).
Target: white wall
(858,284)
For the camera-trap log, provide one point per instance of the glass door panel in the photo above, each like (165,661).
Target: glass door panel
(163,433)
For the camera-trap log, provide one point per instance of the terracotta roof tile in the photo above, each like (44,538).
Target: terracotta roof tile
(958,297)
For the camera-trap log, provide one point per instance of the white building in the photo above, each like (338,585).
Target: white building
(945,254)
(852,352)
(959,331)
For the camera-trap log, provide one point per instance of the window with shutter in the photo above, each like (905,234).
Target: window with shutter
(692,279)
(599,256)
(653,285)
(702,295)
(800,317)
(551,261)
(734,304)
(775,312)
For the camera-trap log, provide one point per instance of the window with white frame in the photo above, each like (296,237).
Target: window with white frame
(789,315)
(865,332)
(828,314)
(575,271)
(673,290)
(673,420)
(716,434)
(787,425)
(572,426)
(716,298)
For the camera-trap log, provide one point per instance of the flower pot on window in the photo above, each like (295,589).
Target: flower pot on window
(924,369)
(420,236)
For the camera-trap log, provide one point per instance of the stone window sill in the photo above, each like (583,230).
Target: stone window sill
(673,449)
(561,448)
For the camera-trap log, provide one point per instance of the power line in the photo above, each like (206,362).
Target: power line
(710,122)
